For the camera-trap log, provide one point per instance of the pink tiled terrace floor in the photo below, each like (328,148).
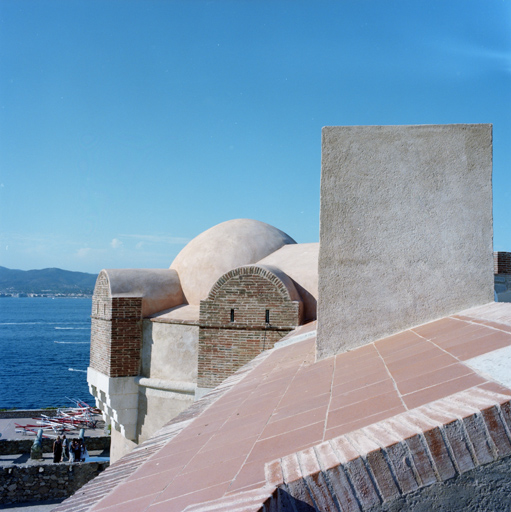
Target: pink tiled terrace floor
(289,402)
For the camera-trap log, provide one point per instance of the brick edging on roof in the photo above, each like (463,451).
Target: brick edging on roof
(94,491)
(385,460)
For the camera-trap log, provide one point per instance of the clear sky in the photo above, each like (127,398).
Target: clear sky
(129,127)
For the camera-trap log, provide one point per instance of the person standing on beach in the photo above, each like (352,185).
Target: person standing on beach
(57,450)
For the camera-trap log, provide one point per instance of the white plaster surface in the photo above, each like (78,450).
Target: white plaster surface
(221,248)
(494,365)
(405,231)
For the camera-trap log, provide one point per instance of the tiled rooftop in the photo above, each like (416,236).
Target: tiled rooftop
(284,402)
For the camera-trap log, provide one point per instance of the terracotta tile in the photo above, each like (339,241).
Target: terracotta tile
(374,374)
(219,453)
(433,378)
(178,504)
(294,422)
(298,406)
(140,487)
(179,449)
(154,466)
(412,359)
(137,505)
(481,345)
(262,406)
(362,422)
(275,387)
(438,327)
(359,355)
(202,426)
(202,479)
(361,394)
(441,390)
(360,382)
(237,430)
(413,350)
(495,387)
(464,335)
(274,447)
(393,344)
(251,474)
(408,371)
(363,409)
(348,360)
(311,386)
(499,326)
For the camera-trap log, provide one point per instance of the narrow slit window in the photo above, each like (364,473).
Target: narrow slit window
(232,315)
(267,320)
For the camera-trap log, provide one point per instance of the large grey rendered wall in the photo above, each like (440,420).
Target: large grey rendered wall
(406,229)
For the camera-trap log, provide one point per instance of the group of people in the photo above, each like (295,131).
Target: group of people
(74,451)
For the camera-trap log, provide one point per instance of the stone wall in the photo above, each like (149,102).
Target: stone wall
(19,446)
(41,482)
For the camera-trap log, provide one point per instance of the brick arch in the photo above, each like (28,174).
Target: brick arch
(247,311)
(281,280)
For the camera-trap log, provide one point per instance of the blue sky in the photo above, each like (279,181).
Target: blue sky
(129,127)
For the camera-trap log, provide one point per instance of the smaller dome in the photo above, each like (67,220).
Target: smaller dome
(221,248)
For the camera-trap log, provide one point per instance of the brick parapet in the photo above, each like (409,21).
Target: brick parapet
(383,461)
(502,262)
(116,331)
(247,311)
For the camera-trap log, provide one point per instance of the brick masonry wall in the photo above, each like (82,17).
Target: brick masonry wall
(233,328)
(116,331)
(224,351)
(502,262)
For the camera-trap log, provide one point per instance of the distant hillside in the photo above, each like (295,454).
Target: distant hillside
(48,280)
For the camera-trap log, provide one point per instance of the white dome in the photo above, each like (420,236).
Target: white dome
(221,248)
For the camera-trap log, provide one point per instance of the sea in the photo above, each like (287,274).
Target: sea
(44,352)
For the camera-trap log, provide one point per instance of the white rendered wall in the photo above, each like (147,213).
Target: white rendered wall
(406,229)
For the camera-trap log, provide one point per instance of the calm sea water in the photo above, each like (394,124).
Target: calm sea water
(44,352)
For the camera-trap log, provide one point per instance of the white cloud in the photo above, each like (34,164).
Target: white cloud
(116,243)
(158,239)
(84,252)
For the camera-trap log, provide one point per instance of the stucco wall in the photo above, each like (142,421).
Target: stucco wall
(406,229)
(157,407)
(169,351)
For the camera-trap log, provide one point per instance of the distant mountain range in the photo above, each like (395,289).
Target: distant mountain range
(51,281)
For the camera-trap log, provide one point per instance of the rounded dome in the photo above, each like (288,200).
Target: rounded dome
(222,248)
